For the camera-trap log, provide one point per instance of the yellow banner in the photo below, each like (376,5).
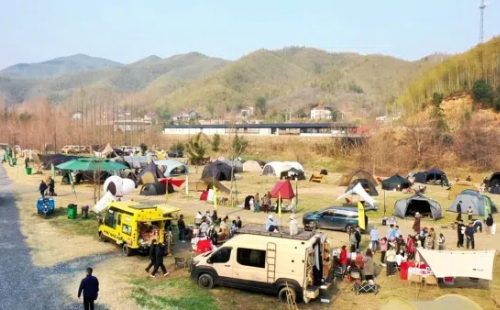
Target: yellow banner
(361,216)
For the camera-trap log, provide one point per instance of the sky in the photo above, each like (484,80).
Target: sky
(126,30)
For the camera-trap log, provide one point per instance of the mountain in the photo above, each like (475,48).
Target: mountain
(124,79)
(58,66)
(457,73)
(299,77)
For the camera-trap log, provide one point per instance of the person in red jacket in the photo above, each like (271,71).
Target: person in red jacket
(343,258)
(410,245)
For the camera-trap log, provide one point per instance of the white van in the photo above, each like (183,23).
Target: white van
(267,262)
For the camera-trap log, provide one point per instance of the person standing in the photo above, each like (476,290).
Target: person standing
(51,187)
(152,255)
(89,286)
(416,223)
(459,210)
(460,234)
(489,224)
(26,162)
(431,239)
(42,188)
(469,234)
(410,246)
(294,226)
(441,242)
(383,249)
(343,258)
(391,233)
(391,261)
(357,234)
(159,252)
(470,212)
(368,266)
(374,236)
(182,228)
(198,218)
(239,224)
(352,240)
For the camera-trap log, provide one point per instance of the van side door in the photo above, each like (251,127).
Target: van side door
(250,269)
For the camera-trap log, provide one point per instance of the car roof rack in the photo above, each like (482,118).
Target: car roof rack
(254,229)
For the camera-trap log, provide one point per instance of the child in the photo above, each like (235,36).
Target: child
(470,212)
(441,241)
(383,249)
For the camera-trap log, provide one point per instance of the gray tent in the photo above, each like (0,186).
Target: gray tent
(238,165)
(481,205)
(426,207)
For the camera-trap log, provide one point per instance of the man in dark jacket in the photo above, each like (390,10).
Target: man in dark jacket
(90,288)
(159,252)
(42,188)
(357,234)
(459,210)
(469,234)
(238,223)
(182,229)
(460,235)
(152,255)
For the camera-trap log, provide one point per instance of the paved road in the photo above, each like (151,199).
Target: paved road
(24,286)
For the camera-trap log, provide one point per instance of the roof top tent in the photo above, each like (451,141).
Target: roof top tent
(345,180)
(481,205)
(367,186)
(408,207)
(218,170)
(459,187)
(396,182)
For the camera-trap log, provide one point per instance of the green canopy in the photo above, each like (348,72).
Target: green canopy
(91,164)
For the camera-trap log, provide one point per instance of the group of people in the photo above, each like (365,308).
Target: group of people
(272,225)
(49,185)
(358,266)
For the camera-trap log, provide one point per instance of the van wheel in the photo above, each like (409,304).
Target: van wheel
(127,251)
(282,295)
(313,225)
(101,237)
(206,281)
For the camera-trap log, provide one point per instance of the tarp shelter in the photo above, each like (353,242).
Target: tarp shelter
(150,174)
(396,182)
(55,159)
(211,182)
(252,166)
(345,180)
(459,187)
(449,301)
(283,189)
(155,189)
(481,205)
(172,167)
(358,190)
(426,207)
(275,168)
(236,165)
(218,170)
(466,264)
(367,186)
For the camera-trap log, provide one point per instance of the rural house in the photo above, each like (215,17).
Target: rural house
(321,112)
(185,115)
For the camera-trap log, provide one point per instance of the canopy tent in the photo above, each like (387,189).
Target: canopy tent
(459,187)
(218,170)
(235,164)
(345,180)
(358,190)
(91,164)
(429,175)
(282,189)
(172,167)
(481,205)
(449,301)
(156,189)
(252,166)
(466,264)
(426,207)
(396,182)
(277,167)
(151,173)
(55,159)
(367,186)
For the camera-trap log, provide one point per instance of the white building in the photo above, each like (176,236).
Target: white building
(321,112)
(77,115)
(246,112)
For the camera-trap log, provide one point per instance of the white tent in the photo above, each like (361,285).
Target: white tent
(358,190)
(277,167)
(252,166)
(172,167)
(466,264)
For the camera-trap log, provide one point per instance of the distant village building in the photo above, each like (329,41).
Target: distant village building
(385,118)
(185,115)
(321,112)
(136,124)
(77,115)
(246,112)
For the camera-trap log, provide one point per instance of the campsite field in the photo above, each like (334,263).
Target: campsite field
(125,285)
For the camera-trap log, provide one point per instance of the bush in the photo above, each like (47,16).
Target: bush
(177,147)
(216,143)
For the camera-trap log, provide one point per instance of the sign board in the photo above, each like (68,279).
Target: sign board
(103,203)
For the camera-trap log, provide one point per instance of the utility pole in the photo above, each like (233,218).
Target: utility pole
(482,6)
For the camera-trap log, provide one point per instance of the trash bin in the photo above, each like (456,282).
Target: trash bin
(85,212)
(28,170)
(72,211)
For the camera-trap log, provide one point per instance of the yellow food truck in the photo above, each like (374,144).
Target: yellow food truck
(133,225)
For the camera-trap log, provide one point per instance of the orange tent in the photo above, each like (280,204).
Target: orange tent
(283,188)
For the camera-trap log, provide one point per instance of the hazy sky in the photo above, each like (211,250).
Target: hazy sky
(126,30)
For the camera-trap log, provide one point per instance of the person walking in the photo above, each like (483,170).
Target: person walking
(182,228)
(460,233)
(42,188)
(470,212)
(459,210)
(51,186)
(152,255)
(489,224)
(89,286)
(159,251)
(469,234)
(416,223)
(383,249)
(374,236)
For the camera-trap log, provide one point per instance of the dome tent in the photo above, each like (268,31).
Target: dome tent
(459,187)
(275,168)
(367,186)
(155,189)
(481,205)
(426,207)
(172,167)
(347,179)
(430,175)
(218,170)
(396,182)
(236,165)
(252,166)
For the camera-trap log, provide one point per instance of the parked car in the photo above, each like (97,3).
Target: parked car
(336,218)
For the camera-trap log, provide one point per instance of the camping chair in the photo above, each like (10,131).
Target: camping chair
(338,272)
(181,262)
(431,280)
(415,278)
(364,287)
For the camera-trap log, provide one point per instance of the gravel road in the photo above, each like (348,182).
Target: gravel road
(23,286)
